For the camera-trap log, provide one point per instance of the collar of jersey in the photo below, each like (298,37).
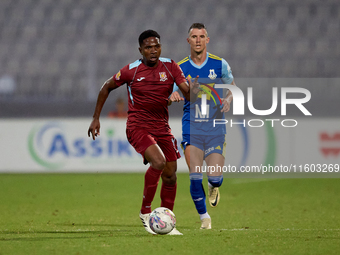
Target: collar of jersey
(201,66)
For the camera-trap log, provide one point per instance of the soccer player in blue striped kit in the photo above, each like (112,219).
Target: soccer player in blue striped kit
(201,140)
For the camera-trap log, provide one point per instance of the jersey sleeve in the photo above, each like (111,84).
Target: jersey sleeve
(227,76)
(177,73)
(122,77)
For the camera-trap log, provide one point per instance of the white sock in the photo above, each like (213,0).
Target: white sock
(204,215)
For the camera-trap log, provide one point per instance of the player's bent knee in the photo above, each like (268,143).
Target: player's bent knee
(169,173)
(155,157)
(169,179)
(158,163)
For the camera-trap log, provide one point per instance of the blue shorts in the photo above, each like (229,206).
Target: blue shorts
(207,143)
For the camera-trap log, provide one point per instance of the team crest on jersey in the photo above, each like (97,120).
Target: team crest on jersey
(118,76)
(212,75)
(162,76)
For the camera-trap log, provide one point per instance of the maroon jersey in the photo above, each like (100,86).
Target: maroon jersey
(149,89)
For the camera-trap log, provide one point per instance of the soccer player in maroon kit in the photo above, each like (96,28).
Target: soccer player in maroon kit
(149,84)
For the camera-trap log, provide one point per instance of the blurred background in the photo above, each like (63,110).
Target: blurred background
(55,55)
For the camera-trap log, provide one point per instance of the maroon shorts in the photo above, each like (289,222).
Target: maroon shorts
(141,139)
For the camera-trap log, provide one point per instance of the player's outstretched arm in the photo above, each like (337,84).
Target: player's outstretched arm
(227,100)
(189,90)
(104,92)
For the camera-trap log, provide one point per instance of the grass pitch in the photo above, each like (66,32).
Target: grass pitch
(98,214)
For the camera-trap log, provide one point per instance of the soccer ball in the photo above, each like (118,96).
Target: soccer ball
(162,220)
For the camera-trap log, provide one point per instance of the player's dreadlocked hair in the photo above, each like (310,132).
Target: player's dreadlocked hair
(147,34)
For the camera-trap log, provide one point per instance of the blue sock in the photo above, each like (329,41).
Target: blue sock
(215,181)
(197,192)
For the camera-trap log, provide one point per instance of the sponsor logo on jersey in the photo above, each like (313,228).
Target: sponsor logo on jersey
(162,76)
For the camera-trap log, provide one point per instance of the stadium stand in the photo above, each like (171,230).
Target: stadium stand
(62,51)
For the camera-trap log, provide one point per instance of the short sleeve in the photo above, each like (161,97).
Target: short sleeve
(227,76)
(121,77)
(177,73)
